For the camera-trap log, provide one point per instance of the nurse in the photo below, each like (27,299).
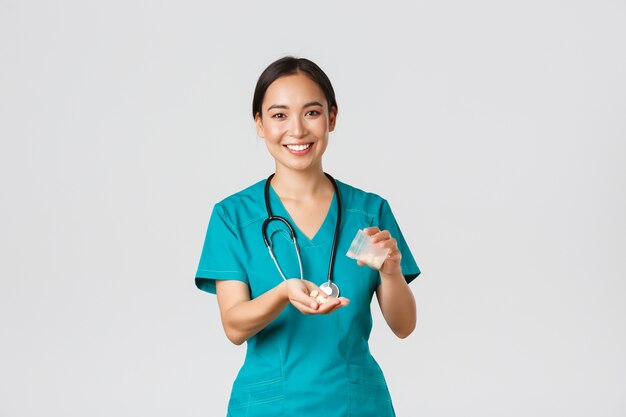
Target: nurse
(304,358)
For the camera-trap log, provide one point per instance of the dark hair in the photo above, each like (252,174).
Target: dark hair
(290,65)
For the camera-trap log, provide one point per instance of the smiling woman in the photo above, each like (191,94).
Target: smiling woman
(296,121)
(303,346)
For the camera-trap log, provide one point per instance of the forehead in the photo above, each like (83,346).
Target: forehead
(295,89)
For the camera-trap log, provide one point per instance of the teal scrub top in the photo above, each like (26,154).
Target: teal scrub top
(303,365)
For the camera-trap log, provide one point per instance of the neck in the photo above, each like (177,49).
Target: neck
(299,185)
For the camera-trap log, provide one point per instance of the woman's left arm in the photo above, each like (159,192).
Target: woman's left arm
(394,295)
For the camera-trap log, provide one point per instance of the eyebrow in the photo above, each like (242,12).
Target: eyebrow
(282,106)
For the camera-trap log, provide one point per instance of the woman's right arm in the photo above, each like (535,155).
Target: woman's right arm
(242,317)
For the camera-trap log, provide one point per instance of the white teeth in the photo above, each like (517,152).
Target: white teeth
(299,147)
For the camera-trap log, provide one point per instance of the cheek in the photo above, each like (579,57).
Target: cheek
(322,124)
(321,146)
(274,131)
(321,130)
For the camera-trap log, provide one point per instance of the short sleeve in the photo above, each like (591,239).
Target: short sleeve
(222,254)
(387,221)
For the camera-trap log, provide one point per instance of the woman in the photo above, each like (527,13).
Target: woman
(307,353)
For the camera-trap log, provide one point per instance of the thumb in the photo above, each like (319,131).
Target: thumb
(302,296)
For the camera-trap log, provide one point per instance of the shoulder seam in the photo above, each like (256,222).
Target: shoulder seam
(249,222)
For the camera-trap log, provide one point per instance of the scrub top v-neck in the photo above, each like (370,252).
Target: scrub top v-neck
(304,365)
(328,224)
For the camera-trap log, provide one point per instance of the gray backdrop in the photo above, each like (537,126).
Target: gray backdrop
(495,129)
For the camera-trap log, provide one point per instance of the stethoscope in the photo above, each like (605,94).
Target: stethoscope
(329,287)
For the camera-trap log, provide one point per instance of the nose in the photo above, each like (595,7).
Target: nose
(298,127)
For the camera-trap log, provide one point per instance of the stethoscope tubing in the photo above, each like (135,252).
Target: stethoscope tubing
(271,217)
(269,244)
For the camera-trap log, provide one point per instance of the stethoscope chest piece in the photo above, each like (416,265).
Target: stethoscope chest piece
(330,288)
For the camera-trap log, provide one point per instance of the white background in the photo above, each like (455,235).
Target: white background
(496,130)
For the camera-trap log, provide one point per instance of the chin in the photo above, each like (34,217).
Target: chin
(299,167)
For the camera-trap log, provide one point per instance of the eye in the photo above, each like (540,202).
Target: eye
(278,116)
(313,113)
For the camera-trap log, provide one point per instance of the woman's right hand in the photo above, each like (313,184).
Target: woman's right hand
(298,293)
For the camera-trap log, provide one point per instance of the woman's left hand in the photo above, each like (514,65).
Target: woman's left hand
(384,239)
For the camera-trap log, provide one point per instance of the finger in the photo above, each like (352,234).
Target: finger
(370,231)
(329,306)
(333,305)
(302,294)
(380,236)
(342,303)
(359,263)
(337,307)
(390,243)
(306,309)
(306,300)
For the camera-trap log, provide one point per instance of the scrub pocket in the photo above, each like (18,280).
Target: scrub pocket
(368,392)
(258,396)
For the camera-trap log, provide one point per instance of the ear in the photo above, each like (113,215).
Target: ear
(258,121)
(332,118)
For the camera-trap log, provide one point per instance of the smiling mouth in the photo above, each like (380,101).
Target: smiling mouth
(298,148)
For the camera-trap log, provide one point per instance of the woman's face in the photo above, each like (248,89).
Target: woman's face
(295,122)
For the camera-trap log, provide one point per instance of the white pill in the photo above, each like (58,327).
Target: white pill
(327,290)
(318,297)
